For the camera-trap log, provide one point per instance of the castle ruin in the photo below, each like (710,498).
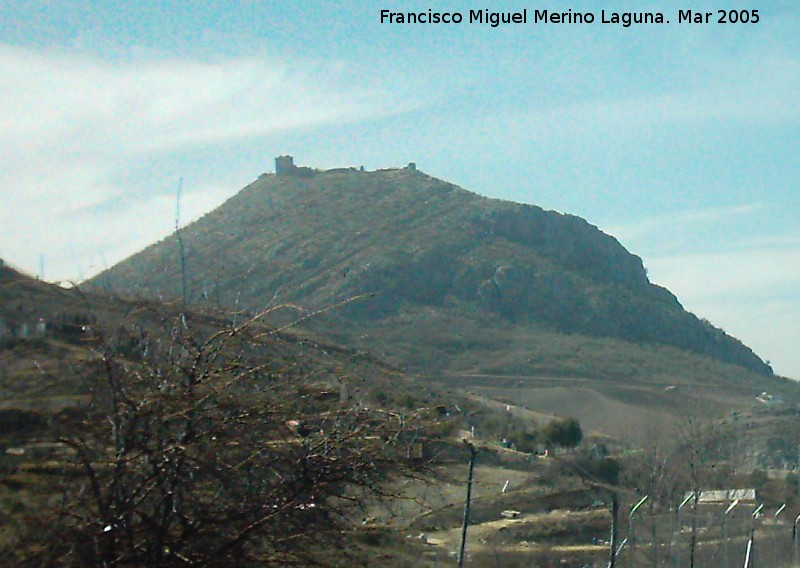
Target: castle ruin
(284,165)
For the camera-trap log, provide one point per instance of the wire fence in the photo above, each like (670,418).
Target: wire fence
(710,537)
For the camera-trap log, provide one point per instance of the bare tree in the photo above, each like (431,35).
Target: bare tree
(676,461)
(698,453)
(210,453)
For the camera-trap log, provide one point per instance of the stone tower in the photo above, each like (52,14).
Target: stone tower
(284,165)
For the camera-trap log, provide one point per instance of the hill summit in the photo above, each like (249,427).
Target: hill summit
(432,258)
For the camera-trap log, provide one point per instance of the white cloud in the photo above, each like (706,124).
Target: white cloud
(131,228)
(749,292)
(148,104)
(722,270)
(600,119)
(72,125)
(759,89)
(768,327)
(657,226)
(749,273)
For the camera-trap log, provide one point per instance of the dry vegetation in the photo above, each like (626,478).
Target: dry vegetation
(174,437)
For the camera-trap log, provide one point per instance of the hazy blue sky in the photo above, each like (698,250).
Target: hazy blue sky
(681,140)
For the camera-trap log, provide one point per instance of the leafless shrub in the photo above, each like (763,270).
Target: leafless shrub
(206,452)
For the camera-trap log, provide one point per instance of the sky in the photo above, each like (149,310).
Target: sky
(679,139)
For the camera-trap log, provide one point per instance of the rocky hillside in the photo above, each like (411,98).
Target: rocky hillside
(419,246)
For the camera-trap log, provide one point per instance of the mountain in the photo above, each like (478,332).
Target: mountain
(445,272)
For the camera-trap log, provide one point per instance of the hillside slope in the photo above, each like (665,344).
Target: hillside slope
(420,246)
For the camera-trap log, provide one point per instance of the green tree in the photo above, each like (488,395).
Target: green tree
(563,432)
(525,440)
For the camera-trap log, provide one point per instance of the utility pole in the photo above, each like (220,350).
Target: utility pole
(472,453)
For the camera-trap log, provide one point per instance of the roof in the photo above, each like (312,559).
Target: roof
(726,495)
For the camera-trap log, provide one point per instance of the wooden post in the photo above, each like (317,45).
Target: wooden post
(654,533)
(472,453)
(614,514)
(693,541)
(632,532)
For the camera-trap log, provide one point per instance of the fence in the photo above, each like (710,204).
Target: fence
(709,537)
